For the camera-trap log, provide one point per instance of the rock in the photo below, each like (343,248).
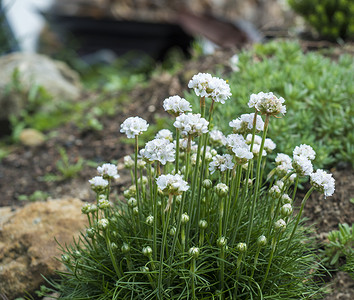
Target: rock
(27,245)
(31,137)
(55,77)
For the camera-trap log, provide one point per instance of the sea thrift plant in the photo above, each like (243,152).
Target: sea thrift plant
(200,219)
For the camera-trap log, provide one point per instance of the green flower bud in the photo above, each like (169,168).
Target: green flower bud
(221,242)
(184,218)
(145,269)
(114,246)
(222,189)
(173,230)
(207,184)
(102,224)
(125,248)
(132,202)
(203,224)
(194,252)
(262,241)
(90,232)
(149,220)
(65,258)
(147,251)
(280,225)
(286,210)
(77,254)
(242,247)
(135,211)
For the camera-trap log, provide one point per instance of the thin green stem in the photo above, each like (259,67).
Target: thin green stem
(177,151)
(136,179)
(108,243)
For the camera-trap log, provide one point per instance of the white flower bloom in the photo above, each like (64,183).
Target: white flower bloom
(305,151)
(221,163)
(244,124)
(108,171)
(103,223)
(217,137)
(205,85)
(133,126)
(161,150)
(269,145)
(191,124)
(164,134)
(267,103)
(257,139)
(176,105)
(302,165)
(256,148)
(323,182)
(284,164)
(234,61)
(98,182)
(183,143)
(172,184)
(280,225)
(242,154)
(235,140)
(274,191)
(128,161)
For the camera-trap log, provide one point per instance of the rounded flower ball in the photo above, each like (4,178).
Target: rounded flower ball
(108,171)
(191,124)
(323,182)
(267,103)
(133,127)
(175,105)
(172,184)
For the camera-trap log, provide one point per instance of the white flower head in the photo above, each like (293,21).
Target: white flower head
(175,105)
(269,145)
(128,162)
(305,151)
(161,150)
(242,154)
(205,85)
(302,165)
(191,124)
(183,143)
(283,163)
(256,148)
(233,62)
(267,103)
(133,126)
(108,171)
(323,182)
(257,139)
(244,124)
(164,134)
(172,184)
(98,183)
(221,163)
(217,137)
(235,140)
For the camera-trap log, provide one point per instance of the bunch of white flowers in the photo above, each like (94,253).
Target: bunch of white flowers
(302,156)
(283,163)
(172,184)
(205,85)
(267,103)
(133,127)
(221,163)
(217,137)
(98,183)
(161,150)
(323,182)
(244,124)
(191,124)
(164,134)
(175,105)
(108,171)
(304,151)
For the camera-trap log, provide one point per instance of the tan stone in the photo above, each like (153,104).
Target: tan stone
(31,137)
(27,245)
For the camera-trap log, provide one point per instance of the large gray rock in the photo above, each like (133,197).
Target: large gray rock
(55,77)
(27,245)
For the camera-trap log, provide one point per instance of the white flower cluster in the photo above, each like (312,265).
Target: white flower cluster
(161,150)
(133,126)
(267,103)
(217,137)
(239,147)
(108,171)
(172,184)
(221,163)
(302,156)
(191,124)
(257,144)
(323,182)
(283,163)
(98,183)
(175,105)
(244,124)
(205,85)
(164,134)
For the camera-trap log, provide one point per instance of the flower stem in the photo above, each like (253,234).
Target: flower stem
(136,179)
(193,269)
(119,274)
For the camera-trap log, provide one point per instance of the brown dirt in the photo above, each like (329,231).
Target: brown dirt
(22,170)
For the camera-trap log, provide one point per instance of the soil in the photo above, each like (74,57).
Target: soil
(21,172)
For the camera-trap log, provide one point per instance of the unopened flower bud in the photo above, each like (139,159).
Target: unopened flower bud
(145,269)
(147,251)
(173,231)
(128,162)
(104,203)
(65,258)
(184,218)
(286,210)
(125,248)
(194,252)
(262,241)
(280,225)
(132,190)
(102,224)
(286,199)
(77,254)
(141,163)
(213,152)
(178,199)
(132,202)
(242,247)
(222,241)
(221,189)
(203,224)
(114,246)
(207,184)
(135,211)
(143,179)
(126,194)
(150,220)
(90,232)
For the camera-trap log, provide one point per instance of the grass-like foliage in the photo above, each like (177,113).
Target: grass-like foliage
(319,96)
(199,221)
(332,19)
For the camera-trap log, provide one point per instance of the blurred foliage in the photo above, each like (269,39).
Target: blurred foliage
(318,93)
(332,19)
